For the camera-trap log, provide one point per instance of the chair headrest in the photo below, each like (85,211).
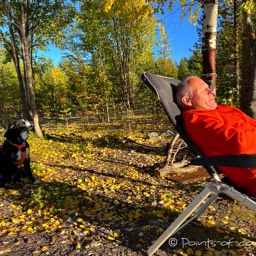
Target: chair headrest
(164,88)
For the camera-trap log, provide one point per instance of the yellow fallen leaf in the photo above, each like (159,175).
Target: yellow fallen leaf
(44,249)
(210,223)
(212,208)
(146,227)
(232,252)
(30,229)
(7,250)
(111,238)
(137,215)
(2,224)
(198,253)
(181,204)
(116,234)
(146,194)
(15,221)
(53,240)
(242,231)
(29,211)
(190,251)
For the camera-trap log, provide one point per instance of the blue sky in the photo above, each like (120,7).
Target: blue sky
(181,33)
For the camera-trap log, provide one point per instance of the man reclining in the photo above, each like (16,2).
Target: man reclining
(218,129)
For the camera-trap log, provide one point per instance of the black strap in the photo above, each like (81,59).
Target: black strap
(241,161)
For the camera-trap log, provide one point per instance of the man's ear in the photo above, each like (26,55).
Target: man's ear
(186,101)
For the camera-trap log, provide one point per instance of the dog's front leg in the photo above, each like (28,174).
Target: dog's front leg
(29,172)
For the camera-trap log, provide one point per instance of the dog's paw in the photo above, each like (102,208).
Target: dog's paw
(36,182)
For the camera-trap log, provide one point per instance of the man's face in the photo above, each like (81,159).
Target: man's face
(202,96)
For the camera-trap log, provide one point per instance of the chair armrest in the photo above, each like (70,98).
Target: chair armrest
(240,161)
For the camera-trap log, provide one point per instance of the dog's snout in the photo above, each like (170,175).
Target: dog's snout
(26,123)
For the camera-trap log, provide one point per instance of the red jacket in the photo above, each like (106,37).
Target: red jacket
(225,131)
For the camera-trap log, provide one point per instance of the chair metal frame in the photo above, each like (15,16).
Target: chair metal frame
(164,88)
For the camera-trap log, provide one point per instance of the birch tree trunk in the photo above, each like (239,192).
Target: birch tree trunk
(209,42)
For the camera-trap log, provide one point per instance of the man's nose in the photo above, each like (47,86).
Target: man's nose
(211,91)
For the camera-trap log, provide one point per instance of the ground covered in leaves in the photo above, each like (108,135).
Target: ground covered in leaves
(99,196)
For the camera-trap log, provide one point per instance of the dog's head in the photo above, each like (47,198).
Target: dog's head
(18,129)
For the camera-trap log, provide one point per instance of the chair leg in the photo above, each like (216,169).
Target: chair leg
(206,192)
(236,195)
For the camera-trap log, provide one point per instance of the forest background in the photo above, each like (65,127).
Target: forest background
(110,44)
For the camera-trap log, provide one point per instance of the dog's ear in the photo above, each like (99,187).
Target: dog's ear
(10,127)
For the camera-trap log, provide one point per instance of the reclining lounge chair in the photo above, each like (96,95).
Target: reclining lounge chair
(164,88)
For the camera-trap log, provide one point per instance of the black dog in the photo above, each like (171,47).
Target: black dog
(14,155)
